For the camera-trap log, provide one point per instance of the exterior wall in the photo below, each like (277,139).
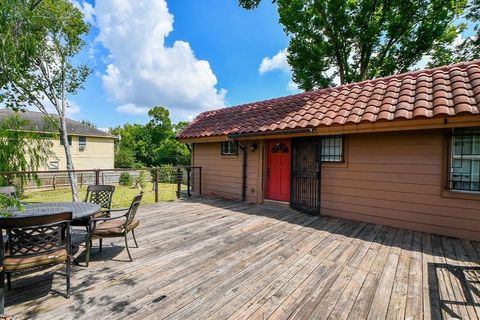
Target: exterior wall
(398,179)
(98,153)
(222,175)
(394,179)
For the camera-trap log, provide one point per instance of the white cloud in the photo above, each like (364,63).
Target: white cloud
(87,10)
(142,70)
(73,109)
(277,62)
(132,109)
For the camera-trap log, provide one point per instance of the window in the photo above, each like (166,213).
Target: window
(229,148)
(82,143)
(332,149)
(279,148)
(464,173)
(69,141)
(53,165)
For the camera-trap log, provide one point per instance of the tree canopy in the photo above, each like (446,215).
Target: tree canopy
(39,40)
(364,39)
(152,144)
(22,150)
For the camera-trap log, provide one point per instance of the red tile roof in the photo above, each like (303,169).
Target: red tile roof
(440,92)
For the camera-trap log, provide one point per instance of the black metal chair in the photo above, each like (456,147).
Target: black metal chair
(115,227)
(101,195)
(35,243)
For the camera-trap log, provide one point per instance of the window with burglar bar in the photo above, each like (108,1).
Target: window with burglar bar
(464,172)
(229,148)
(332,149)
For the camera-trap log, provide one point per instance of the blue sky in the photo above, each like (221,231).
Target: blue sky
(186,55)
(232,40)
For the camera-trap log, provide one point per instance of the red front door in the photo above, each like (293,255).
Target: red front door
(278,170)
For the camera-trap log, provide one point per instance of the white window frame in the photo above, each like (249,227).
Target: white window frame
(229,148)
(464,178)
(332,149)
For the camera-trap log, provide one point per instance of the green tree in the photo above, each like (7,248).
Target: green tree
(362,39)
(152,144)
(22,150)
(39,40)
(88,123)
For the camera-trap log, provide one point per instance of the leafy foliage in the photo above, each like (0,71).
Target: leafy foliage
(152,144)
(88,123)
(363,39)
(22,150)
(39,40)
(125,179)
(6,202)
(140,180)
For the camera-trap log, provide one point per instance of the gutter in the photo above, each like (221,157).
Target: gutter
(244,171)
(268,133)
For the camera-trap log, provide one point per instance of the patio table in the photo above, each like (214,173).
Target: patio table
(80,210)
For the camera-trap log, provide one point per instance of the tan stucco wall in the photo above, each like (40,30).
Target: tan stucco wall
(98,153)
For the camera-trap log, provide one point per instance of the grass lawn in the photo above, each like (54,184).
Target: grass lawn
(122,197)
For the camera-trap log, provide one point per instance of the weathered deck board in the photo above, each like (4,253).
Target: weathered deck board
(216,259)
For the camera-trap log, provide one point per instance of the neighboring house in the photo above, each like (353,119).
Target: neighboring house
(402,151)
(91,148)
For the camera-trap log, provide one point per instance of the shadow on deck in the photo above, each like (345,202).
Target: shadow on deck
(210,258)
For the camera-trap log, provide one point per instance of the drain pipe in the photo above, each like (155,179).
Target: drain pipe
(244,171)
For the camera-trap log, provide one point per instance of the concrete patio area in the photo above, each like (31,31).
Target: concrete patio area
(216,259)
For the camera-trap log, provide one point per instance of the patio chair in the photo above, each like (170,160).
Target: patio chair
(101,195)
(115,227)
(35,243)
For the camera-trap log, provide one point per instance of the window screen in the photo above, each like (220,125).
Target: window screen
(229,148)
(82,143)
(465,160)
(332,149)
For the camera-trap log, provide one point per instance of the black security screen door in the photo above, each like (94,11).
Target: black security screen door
(305,181)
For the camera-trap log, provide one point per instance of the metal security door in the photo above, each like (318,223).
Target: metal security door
(306,174)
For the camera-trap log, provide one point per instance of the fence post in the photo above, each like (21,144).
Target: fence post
(179,182)
(188,181)
(97,176)
(54,179)
(81,180)
(155,184)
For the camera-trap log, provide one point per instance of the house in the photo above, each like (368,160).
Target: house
(402,151)
(91,148)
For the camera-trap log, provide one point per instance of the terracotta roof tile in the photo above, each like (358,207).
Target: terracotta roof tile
(445,91)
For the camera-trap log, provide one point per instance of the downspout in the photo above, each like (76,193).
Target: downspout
(244,171)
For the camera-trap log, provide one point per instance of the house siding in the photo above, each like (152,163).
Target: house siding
(394,179)
(98,154)
(398,179)
(222,175)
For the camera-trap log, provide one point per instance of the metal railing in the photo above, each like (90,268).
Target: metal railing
(160,184)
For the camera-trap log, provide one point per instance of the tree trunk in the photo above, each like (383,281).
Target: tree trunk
(68,155)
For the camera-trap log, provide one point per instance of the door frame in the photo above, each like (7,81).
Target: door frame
(266,144)
(318,142)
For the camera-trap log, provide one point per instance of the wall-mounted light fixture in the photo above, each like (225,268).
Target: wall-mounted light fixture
(253,147)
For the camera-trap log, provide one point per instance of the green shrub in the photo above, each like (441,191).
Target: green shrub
(125,179)
(141,180)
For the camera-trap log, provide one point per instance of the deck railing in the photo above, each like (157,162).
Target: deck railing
(163,183)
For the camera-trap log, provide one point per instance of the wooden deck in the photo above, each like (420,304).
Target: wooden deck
(214,259)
